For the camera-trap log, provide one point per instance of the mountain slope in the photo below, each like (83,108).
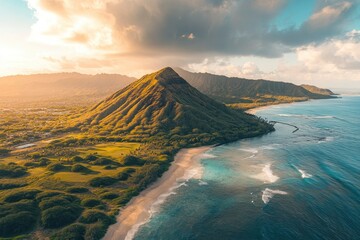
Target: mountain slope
(240,90)
(60,87)
(317,90)
(164,104)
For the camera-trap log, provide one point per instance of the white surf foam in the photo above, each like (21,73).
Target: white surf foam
(269,173)
(202,183)
(155,207)
(271,146)
(323,117)
(305,116)
(304,174)
(291,115)
(268,194)
(326,139)
(194,172)
(208,155)
(250,150)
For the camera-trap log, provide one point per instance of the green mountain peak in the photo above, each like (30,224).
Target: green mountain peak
(162,103)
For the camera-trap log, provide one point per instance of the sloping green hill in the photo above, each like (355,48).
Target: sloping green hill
(245,92)
(317,90)
(164,104)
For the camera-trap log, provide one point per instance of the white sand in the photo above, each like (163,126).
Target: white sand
(139,210)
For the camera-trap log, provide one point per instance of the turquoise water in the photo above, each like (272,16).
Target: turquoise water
(302,185)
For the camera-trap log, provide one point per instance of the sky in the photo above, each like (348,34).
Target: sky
(300,41)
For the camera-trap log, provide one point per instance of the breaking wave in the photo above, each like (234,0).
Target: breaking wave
(304,174)
(268,194)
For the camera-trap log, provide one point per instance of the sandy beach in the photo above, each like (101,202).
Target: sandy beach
(186,165)
(255,110)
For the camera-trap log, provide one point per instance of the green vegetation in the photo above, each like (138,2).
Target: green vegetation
(56,167)
(90,202)
(59,216)
(317,90)
(132,161)
(12,171)
(4,151)
(17,196)
(77,190)
(102,181)
(264,100)
(79,168)
(95,231)
(165,107)
(109,196)
(74,231)
(94,216)
(17,218)
(17,223)
(86,164)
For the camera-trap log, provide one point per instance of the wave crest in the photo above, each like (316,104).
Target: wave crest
(304,174)
(268,194)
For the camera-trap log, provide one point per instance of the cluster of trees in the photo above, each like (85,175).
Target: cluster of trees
(38,162)
(12,170)
(4,151)
(21,212)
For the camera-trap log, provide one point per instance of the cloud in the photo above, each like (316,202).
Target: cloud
(230,27)
(67,22)
(141,35)
(334,55)
(334,63)
(222,65)
(189,36)
(326,22)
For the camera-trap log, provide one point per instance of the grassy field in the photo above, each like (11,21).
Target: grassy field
(112,150)
(88,176)
(265,100)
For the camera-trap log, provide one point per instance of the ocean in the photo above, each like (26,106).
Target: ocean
(284,185)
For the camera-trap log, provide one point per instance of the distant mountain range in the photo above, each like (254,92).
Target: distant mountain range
(163,104)
(67,87)
(82,89)
(246,93)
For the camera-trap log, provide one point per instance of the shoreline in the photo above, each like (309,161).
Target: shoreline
(138,211)
(254,110)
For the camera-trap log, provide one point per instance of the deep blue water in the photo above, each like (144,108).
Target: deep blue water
(302,185)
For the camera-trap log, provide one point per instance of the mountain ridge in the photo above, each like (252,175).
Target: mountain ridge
(60,87)
(317,90)
(164,104)
(232,90)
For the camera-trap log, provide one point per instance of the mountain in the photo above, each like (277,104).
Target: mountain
(246,93)
(164,104)
(68,87)
(317,90)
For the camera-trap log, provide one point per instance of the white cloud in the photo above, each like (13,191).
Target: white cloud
(84,23)
(190,36)
(334,63)
(226,66)
(328,15)
(332,56)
